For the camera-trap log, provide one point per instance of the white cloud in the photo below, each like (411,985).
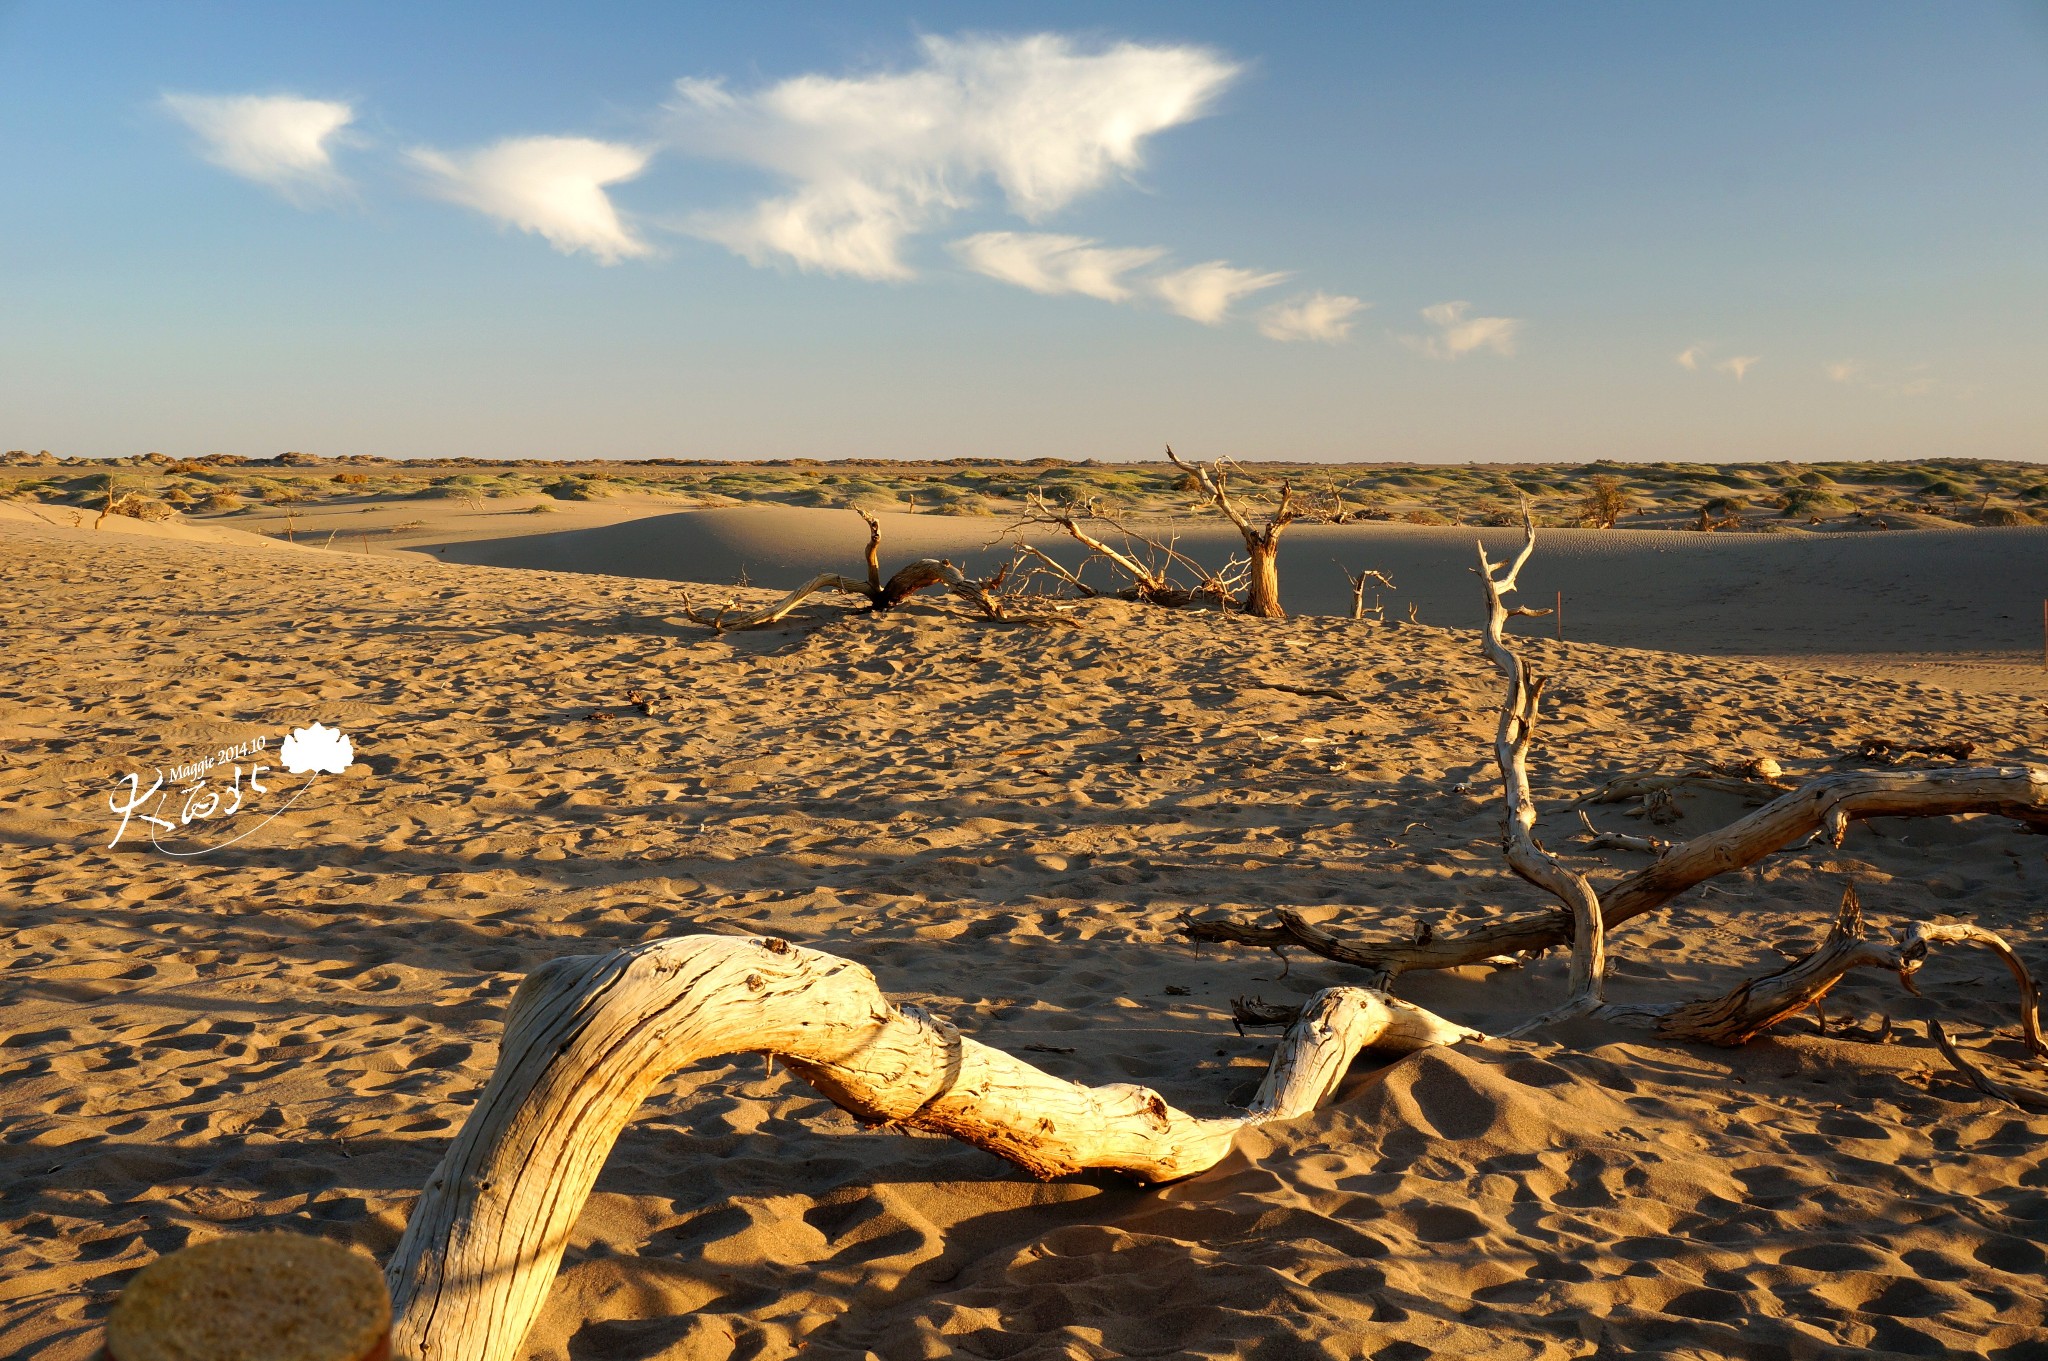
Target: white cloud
(553,187)
(1845,371)
(1694,357)
(1458,335)
(1048,263)
(1325,317)
(279,140)
(874,160)
(1205,292)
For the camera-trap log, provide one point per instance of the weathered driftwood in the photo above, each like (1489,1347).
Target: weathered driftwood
(1359,581)
(1621,841)
(1826,805)
(1149,564)
(1758,780)
(1821,807)
(1512,738)
(1261,542)
(1978,1078)
(1757,1004)
(587,1038)
(908,580)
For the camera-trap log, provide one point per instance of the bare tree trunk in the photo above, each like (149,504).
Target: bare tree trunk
(1262,591)
(587,1038)
(1261,543)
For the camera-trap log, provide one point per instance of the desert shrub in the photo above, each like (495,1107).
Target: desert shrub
(1812,501)
(351,479)
(224,501)
(178,496)
(1815,478)
(577,489)
(137,506)
(2003,517)
(1606,501)
(1423,517)
(1726,507)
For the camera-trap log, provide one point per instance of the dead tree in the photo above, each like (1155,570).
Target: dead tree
(1821,808)
(1261,542)
(1358,584)
(1157,571)
(985,596)
(587,1038)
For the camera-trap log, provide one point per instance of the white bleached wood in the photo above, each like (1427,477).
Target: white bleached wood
(587,1038)
(1512,739)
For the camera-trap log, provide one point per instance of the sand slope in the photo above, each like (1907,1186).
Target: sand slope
(1967,603)
(1005,824)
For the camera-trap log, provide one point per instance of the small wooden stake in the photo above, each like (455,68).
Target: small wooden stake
(1560,614)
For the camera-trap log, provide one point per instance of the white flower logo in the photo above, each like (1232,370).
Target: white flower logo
(316,748)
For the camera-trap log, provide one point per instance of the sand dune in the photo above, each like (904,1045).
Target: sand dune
(186,531)
(1970,598)
(1005,824)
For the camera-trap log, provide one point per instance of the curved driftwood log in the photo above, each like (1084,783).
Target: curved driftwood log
(588,1038)
(1757,1004)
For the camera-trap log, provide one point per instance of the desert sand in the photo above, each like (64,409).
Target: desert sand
(1006,824)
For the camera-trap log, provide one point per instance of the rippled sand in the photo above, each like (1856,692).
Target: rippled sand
(1005,824)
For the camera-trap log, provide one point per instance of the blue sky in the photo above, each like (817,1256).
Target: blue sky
(1436,232)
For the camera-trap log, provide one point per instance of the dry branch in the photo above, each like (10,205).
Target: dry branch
(1358,584)
(1757,1004)
(1977,1077)
(1513,736)
(587,1038)
(985,596)
(1828,803)
(1153,566)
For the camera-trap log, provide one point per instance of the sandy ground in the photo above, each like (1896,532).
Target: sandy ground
(1005,824)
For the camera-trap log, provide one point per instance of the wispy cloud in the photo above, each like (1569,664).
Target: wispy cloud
(1206,292)
(553,187)
(1047,263)
(876,159)
(1458,334)
(280,140)
(1694,357)
(1324,317)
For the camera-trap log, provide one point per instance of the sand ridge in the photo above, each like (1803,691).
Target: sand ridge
(1953,604)
(1005,824)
